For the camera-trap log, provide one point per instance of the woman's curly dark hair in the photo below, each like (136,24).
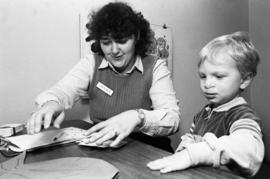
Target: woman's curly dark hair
(118,20)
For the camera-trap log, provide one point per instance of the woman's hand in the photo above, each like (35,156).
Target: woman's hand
(44,116)
(115,128)
(177,161)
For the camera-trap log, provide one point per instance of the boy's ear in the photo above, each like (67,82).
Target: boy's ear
(246,82)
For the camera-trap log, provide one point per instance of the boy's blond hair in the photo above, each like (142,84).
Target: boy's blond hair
(239,47)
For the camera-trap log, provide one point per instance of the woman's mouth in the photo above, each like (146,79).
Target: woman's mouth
(117,58)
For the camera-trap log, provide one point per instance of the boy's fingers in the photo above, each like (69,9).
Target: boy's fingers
(171,168)
(156,165)
(166,170)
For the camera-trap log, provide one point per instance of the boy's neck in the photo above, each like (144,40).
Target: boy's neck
(226,106)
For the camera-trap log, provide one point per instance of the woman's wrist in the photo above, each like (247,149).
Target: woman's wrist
(50,102)
(141,117)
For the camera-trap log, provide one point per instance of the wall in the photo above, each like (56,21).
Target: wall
(40,43)
(259,29)
(194,24)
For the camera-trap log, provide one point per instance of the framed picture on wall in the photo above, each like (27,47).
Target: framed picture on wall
(161,46)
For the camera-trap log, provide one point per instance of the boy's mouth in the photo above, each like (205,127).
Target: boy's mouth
(210,95)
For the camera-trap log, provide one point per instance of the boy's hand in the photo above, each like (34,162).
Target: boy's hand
(177,161)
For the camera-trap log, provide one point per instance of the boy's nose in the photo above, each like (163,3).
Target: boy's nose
(209,83)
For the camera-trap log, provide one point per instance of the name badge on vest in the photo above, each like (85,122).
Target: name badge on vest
(104,88)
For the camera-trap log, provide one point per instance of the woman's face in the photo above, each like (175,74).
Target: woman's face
(119,52)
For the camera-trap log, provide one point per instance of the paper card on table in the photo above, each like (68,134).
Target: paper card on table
(64,168)
(12,163)
(46,138)
(10,129)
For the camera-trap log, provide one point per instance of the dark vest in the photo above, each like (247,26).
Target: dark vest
(129,91)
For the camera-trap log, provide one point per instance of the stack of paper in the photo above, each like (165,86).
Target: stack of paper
(46,138)
(10,129)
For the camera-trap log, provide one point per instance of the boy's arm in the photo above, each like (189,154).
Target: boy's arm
(243,148)
(188,139)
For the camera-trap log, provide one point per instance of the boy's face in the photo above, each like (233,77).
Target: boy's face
(220,80)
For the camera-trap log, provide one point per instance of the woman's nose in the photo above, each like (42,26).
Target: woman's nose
(115,48)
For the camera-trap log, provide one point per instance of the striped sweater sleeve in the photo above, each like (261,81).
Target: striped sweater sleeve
(242,150)
(189,138)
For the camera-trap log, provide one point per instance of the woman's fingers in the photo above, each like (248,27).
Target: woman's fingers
(59,120)
(103,133)
(94,135)
(105,137)
(34,123)
(117,141)
(47,120)
(95,128)
(44,116)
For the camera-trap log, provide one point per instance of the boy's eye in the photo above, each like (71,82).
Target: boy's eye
(202,76)
(219,76)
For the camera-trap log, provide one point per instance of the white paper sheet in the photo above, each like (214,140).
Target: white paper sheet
(46,138)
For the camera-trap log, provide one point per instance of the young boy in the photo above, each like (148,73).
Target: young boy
(227,131)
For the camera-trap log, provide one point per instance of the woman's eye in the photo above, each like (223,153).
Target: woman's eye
(105,42)
(121,41)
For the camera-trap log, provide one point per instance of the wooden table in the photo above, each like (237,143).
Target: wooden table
(131,160)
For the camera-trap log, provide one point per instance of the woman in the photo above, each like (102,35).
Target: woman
(128,90)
